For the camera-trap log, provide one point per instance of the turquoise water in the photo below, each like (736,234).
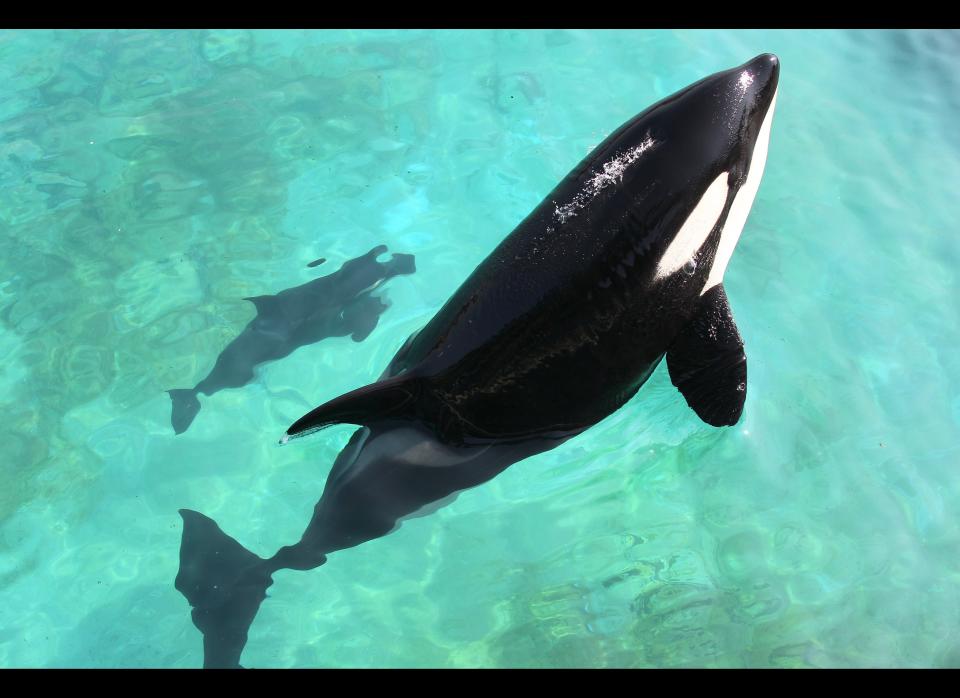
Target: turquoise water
(149,180)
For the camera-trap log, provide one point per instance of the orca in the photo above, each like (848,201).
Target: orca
(620,265)
(335,305)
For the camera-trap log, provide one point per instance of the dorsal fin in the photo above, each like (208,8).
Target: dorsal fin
(262,303)
(391,398)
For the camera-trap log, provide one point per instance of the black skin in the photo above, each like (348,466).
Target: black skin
(553,332)
(335,305)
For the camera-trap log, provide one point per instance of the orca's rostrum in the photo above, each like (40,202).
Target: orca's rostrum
(620,265)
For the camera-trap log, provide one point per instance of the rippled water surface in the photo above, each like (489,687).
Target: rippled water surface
(150,180)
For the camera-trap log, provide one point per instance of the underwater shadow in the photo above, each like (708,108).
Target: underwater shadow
(335,305)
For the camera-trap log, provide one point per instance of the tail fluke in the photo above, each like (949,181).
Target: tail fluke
(185,408)
(225,583)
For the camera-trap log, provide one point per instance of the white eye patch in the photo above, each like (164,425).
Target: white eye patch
(695,229)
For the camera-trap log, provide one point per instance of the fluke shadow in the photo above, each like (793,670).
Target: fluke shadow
(335,305)
(620,265)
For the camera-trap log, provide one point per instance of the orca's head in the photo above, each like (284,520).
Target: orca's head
(708,150)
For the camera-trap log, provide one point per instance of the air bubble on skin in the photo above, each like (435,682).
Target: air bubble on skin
(690,267)
(610,173)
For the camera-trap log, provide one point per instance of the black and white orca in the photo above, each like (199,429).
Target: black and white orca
(620,265)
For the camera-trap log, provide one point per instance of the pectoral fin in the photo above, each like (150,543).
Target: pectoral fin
(360,317)
(707,363)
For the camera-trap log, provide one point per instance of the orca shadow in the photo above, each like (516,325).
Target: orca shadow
(336,305)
